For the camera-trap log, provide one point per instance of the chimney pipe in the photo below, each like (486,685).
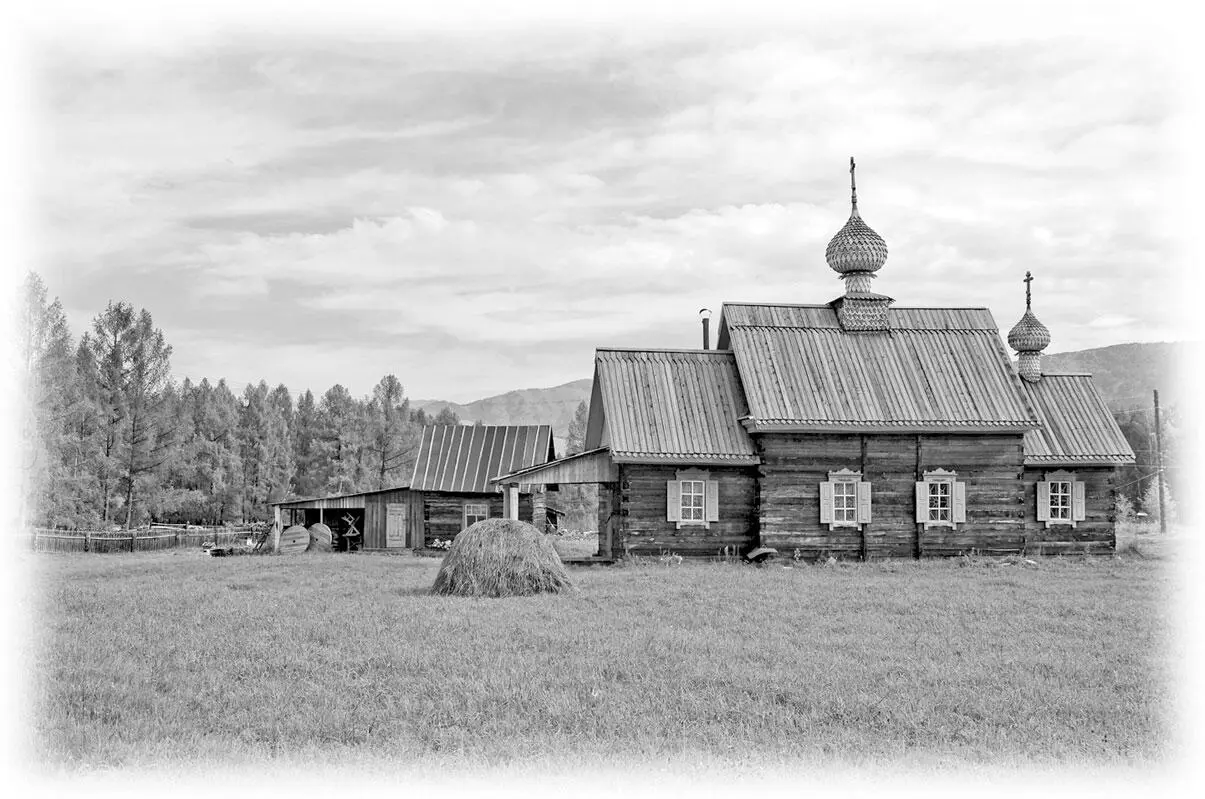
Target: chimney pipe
(705,315)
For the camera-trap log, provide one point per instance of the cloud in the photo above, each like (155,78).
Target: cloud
(418,198)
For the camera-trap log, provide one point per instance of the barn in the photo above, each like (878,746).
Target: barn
(849,429)
(448,491)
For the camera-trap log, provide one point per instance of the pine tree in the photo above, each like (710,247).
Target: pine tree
(392,438)
(132,366)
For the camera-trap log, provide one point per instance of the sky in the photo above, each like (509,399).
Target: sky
(474,201)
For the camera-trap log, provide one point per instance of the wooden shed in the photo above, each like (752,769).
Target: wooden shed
(391,518)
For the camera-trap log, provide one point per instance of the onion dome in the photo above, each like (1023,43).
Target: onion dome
(1028,335)
(855,248)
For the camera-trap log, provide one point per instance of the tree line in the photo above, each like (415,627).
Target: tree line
(108,438)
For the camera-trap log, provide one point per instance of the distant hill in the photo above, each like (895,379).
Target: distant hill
(1126,373)
(554,406)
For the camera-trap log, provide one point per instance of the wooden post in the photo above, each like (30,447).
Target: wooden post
(1159,467)
(510,501)
(920,475)
(866,477)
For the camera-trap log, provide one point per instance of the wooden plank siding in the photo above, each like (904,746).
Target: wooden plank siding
(795,465)
(375,515)
(1096,534)
(645,530)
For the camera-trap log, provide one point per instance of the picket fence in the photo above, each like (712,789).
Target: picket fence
(146,539)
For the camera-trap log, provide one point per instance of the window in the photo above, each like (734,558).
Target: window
(475,512)
(692,495)
(940,499)
(692,499)
(940,505)
(844,500)
(1060,499)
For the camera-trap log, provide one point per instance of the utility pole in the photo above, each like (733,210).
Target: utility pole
(1159,466)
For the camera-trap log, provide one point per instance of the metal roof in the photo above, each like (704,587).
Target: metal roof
(672,405)
(463,458)
(355,500)
(1077,426)
(935,369)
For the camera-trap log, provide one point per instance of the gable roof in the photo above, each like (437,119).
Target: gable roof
(669,406)
(940,369)
(463,458)
(1077,426)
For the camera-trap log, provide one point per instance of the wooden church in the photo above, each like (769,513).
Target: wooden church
(851,429)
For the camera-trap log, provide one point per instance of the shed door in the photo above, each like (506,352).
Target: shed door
(395,525)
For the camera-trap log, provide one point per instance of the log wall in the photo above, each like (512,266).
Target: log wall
(443,513)
(794,465)
(644,529)
(1096,534)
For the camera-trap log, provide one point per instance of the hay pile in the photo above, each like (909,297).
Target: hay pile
(501,557)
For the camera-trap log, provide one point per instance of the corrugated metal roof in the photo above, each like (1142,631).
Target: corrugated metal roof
(1077,426)
(463,458)
(745,314)
(355,500)
(673,405)
(937,368)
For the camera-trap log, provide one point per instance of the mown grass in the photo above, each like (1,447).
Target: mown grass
(158,659)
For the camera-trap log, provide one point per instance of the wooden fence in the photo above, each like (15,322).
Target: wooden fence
(143,539)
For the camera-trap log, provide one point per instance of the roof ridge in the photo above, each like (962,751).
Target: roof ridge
(664,349)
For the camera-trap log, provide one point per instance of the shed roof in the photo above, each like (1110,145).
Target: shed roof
(355,500)
(463,458)
(1077,426)
(935,369)
(670,405)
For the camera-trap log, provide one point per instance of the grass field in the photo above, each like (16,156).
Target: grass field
(156,659)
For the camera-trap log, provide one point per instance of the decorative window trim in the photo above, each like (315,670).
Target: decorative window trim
(686,483)
(956,494)
(477,510)
(1076,506)
(841,487)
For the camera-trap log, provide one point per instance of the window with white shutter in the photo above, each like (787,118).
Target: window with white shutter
(692,499)
(844,500)
(941,499)
(1060,499)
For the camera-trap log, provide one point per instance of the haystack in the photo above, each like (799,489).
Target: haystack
(501,557)
(320,538)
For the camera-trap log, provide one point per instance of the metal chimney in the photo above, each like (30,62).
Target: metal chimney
(705,315)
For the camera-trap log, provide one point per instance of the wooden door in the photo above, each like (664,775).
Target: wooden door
(395,525)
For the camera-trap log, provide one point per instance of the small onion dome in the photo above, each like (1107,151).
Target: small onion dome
(1029,335)
(856,248)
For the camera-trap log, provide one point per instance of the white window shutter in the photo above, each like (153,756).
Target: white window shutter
(1043,501)
(1078,509)
(673,501)
(826,503)
(922,502)
(712,502)
(960,503)
(863,503)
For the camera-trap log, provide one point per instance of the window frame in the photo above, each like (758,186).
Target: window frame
(854,492)
(465,513)
(708,509)
(1076,499)
(932,480)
